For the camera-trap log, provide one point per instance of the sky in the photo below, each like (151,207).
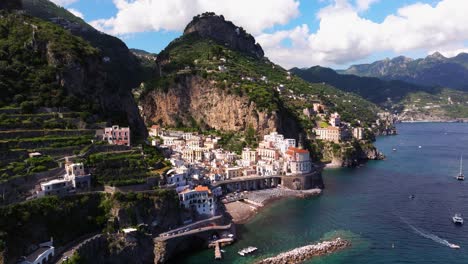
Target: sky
(295,33)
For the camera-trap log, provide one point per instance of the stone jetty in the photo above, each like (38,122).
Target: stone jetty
(299,255)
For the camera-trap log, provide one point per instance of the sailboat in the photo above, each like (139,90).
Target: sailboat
(460,176)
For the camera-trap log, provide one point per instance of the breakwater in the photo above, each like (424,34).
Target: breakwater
(299,255)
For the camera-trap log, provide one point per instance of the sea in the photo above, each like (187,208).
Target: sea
(371,206)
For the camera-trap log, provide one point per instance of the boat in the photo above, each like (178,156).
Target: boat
(457,219)
(454,246)
(247,251)
(460,175)
(419,146)
(394,149)
(412,196)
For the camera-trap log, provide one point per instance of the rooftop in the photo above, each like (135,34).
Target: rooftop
(292,150)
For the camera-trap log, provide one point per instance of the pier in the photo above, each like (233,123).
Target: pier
(217,251)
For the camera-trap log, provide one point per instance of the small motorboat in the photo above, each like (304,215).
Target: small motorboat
(412,196)
(454,246)
(457,219)
(247,251)
(419,146)
(394,149)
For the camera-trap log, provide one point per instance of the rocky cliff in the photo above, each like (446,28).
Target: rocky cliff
(106,78)
(194,99)
(159,210)
(350,154)
(208,25)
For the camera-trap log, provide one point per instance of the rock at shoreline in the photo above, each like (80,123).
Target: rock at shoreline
(299,255)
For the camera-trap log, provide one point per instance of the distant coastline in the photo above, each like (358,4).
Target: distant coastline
(460,120)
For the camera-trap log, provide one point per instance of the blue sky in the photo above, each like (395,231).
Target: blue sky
(303,33)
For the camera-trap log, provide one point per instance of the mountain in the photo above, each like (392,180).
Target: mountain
(378,91)
(116,70)
(215,77)
(413,102)
(434,70)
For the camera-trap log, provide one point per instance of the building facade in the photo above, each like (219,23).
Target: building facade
(335,119)
(333,134)
(298,161)
(358,133)
(116,135)
(199,199)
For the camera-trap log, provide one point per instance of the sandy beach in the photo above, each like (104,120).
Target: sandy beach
(242,211)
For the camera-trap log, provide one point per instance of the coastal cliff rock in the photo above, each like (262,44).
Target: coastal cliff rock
(208,25)
(194,99)
(156,211)
(351,154)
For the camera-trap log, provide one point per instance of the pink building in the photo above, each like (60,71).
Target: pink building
(116,135)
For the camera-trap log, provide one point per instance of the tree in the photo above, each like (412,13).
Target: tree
(27,107)
(250,135)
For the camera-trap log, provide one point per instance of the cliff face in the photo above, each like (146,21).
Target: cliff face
(215,27)
(194,99)
(351,155)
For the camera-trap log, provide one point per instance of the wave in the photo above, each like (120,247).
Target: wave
(426,234)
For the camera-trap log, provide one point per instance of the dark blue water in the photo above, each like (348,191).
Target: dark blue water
(371,206)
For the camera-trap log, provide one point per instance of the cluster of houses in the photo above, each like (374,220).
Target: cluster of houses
(75,178)
(335,130)
(197,162)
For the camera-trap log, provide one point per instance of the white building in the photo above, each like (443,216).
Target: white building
(177,179)
(233,172)
(249,157)
(334,134)
(298,161)
(335,120)
(154,131)
(267,151)
(265,168)
(169,140)
(75,173)
(279,141)
(57,187)
(200,200)
(358,133)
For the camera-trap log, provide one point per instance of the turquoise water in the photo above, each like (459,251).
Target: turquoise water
(370,205)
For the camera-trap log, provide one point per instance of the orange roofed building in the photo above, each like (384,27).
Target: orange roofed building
(199,199)
(297,161)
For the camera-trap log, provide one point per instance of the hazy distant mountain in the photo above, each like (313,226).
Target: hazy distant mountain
(434,70)
(412,101)
(373,89)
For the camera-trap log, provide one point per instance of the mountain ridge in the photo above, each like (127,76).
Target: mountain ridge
(433,70)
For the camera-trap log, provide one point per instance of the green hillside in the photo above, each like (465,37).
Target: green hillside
(193,55)
(27,77)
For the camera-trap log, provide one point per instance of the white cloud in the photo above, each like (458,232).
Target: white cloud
(344,36)
(450,52)
(363,5)
(158,15)
(64,2)
(76,12)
